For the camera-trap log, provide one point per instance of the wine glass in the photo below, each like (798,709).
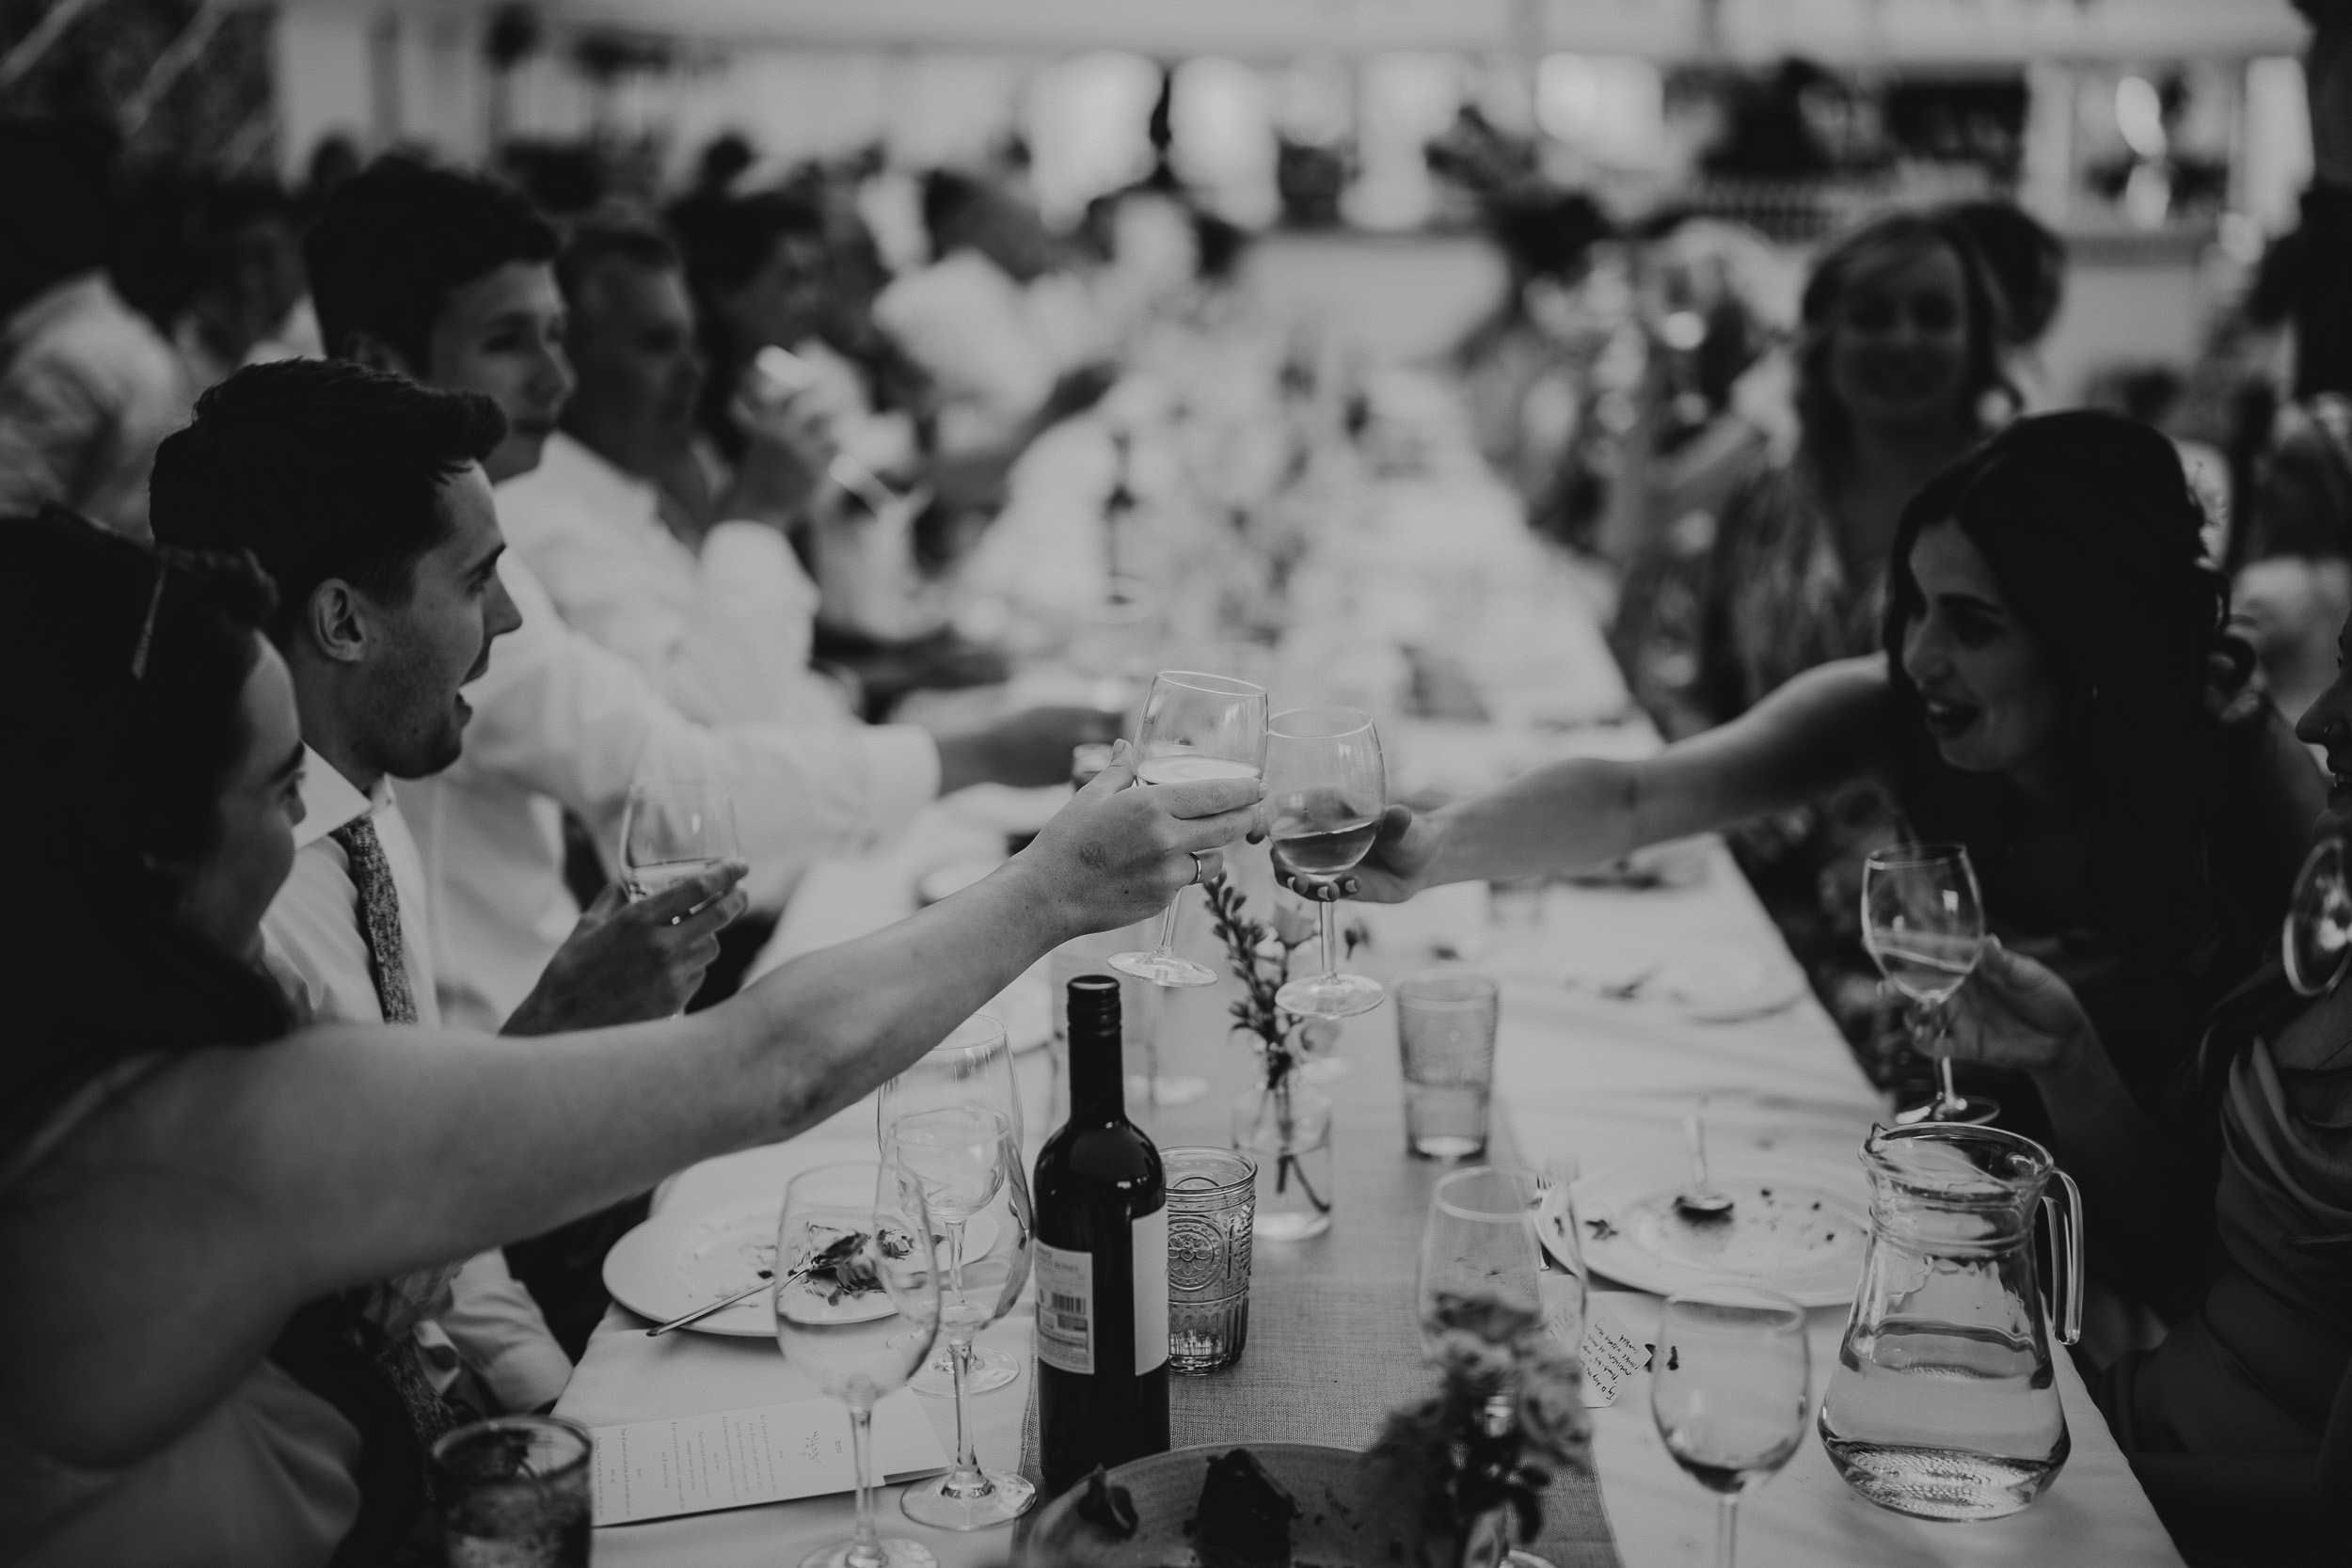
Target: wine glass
(972,1066)
(2316,945)
(1480,1257)
(1730,1380)
(1195,726)
(857,1307)
(964,1157)
(1325,789)
(670,832)
(1923,923)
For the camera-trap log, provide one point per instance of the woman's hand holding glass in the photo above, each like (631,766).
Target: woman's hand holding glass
(1115,855)
(858,1303)
(2017,1015)
(1197,728)
(1403,855)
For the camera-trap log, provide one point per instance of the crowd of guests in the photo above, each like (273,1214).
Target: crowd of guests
(350,601)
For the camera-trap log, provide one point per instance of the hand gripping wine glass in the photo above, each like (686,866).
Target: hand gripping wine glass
(1195,726)
(670,832)
(972,1067)
(1325,789)
(1923,923)
(1730,1380)
(857,1307)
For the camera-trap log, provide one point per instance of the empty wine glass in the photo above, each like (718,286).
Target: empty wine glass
(857,1306)
(1480,1257)
(972,1066)
(1325,789)
(966,1157)
(1730,1380)
(670,832)
(1195,727)
(1923,923)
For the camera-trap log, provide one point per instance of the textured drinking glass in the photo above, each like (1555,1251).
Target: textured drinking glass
(1212,1211)
(1445,1031)
(670,832)
(515,1493)
(1731,1379)
(1195,727)
(1923,923)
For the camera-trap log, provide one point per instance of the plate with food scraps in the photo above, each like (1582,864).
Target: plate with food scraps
(1796,1229)
(675,1262)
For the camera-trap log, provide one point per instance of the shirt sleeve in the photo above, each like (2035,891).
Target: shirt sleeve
(51,421)
(499,1330)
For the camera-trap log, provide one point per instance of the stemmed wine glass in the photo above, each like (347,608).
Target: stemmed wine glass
(954,1120)
(1730,1380)
(857,1307)
(670,832)
(972,1066)
(1923,923)
(1480,1256)
(1195,727)
(1325,789)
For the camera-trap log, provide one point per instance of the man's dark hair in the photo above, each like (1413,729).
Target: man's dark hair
(727,239)
(394,241)
(614,235)
(321,469)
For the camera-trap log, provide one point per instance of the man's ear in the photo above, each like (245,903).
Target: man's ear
(364,347)
(335,625)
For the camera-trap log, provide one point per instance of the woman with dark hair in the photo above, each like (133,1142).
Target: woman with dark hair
(201,1360)
(2055,690)
(1898,367)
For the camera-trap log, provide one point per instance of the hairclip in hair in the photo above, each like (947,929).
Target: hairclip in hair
(147,630)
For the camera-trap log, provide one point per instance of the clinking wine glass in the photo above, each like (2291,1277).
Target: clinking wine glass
(1730,1381)
(670,832)
(1195,726)
(1923,923)
(966,1159)
(1325,789)
(972,1066)
(857,1302)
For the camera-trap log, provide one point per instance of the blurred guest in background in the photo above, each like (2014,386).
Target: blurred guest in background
(251,304)
(2295,590)
(88,386)
(2028,265)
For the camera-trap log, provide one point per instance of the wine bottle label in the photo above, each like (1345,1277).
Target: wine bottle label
(1065,1300)
(1065,1309)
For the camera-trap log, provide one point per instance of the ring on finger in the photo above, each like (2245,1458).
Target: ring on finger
(1200,869)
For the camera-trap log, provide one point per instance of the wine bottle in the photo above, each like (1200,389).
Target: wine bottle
(1102,1263)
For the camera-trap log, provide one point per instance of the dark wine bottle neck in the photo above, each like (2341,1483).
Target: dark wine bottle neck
(1097,1069)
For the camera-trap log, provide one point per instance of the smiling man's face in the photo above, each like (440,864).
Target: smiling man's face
(502,334)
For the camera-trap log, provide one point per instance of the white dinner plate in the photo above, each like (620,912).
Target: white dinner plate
(1796,1229)
(674,1262)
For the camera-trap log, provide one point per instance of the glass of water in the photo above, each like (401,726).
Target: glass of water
(514,1489)
(1445,1031)
(1730,1381)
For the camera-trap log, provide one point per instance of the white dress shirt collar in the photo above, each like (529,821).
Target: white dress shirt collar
(329,800)
(600,489)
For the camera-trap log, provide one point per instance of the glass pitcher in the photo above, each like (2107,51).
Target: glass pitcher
(1944,1405)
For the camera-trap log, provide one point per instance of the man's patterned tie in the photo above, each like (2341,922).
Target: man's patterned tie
(379,917)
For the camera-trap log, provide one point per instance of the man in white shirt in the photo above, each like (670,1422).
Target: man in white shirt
(447,276)
(384,613)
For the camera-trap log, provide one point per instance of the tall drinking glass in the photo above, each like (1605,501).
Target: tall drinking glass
(1923,923)
(1195,727)
(1325,789)
(670,832)
(972,1067)
(857,1307)
(1478,1255)
(1729,1383)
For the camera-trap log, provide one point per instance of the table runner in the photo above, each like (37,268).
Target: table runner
(1334,1343)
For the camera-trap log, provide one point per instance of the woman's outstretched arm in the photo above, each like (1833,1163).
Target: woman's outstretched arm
(1812,732)
(165,1243)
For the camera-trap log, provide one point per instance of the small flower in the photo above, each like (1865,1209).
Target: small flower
(1294,923)
(1551,1417)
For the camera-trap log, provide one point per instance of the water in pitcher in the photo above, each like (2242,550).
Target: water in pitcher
(1986,1444)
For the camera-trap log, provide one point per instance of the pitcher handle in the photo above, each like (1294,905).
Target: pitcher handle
(2066,1258)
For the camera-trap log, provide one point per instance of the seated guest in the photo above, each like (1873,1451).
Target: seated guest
(448,277)
(88,386)
(193,1192)
(2056,692)
(696,584)
(381,617)
(2295,589)
(249,307)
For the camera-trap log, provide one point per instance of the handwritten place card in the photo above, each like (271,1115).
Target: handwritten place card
(702,1464)
(1609,1355)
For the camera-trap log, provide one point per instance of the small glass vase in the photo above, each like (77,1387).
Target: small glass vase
(1286,1126)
